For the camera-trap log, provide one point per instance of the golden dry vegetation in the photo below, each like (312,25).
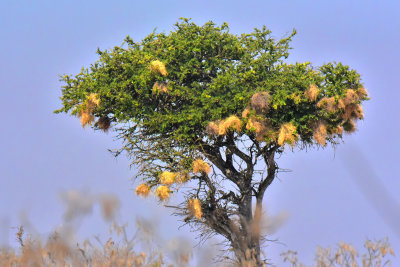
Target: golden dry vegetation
(142,249)
(57,251)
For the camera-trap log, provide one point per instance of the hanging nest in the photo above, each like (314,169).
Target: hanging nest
(340,104)
(182,177)
(362,92)
(246,112)
(259,126)
(353,111)
(320,133)
(287,134)
(349,126)
(312,93)
(162,192)
(222,127)
(337,130)
(157,66)
(92,101)
(194,208)
(200,166)
(142,190)
(328,103)
(167,178)
(86,109)
(160,87)
(213,128)
(86,117)
(232,122)
(351,97)
(104,123)
(260,102)
(255,124)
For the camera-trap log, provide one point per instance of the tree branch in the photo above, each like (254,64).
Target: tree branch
(269,158)
(213,154)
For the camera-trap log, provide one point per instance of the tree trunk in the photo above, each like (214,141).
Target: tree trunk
(243,232)
(247,244)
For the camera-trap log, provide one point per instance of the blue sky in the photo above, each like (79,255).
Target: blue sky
(44,154)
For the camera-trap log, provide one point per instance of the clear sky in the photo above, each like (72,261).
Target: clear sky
(330,195)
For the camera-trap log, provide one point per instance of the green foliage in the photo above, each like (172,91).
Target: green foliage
(210,74)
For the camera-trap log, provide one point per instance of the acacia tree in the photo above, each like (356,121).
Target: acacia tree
(203,111)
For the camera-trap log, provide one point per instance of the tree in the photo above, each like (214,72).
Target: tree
(209,109)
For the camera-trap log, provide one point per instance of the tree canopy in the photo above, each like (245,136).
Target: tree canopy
(200,103)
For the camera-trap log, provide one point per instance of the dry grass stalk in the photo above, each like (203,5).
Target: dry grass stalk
(157,66)
(60,250)
(353,111)
(31,254)
(194,208)
(104,123)
(57,251)
(160,87)
(260,102)
(287,134)
(312,93)
(351,97)
(320,133)
(142,190)
(200,165)
(167,178)
(20,234)
(162,192)
(109,206)
(346,255)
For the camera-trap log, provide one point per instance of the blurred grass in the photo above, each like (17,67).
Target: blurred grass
(58,252)
(142,249)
